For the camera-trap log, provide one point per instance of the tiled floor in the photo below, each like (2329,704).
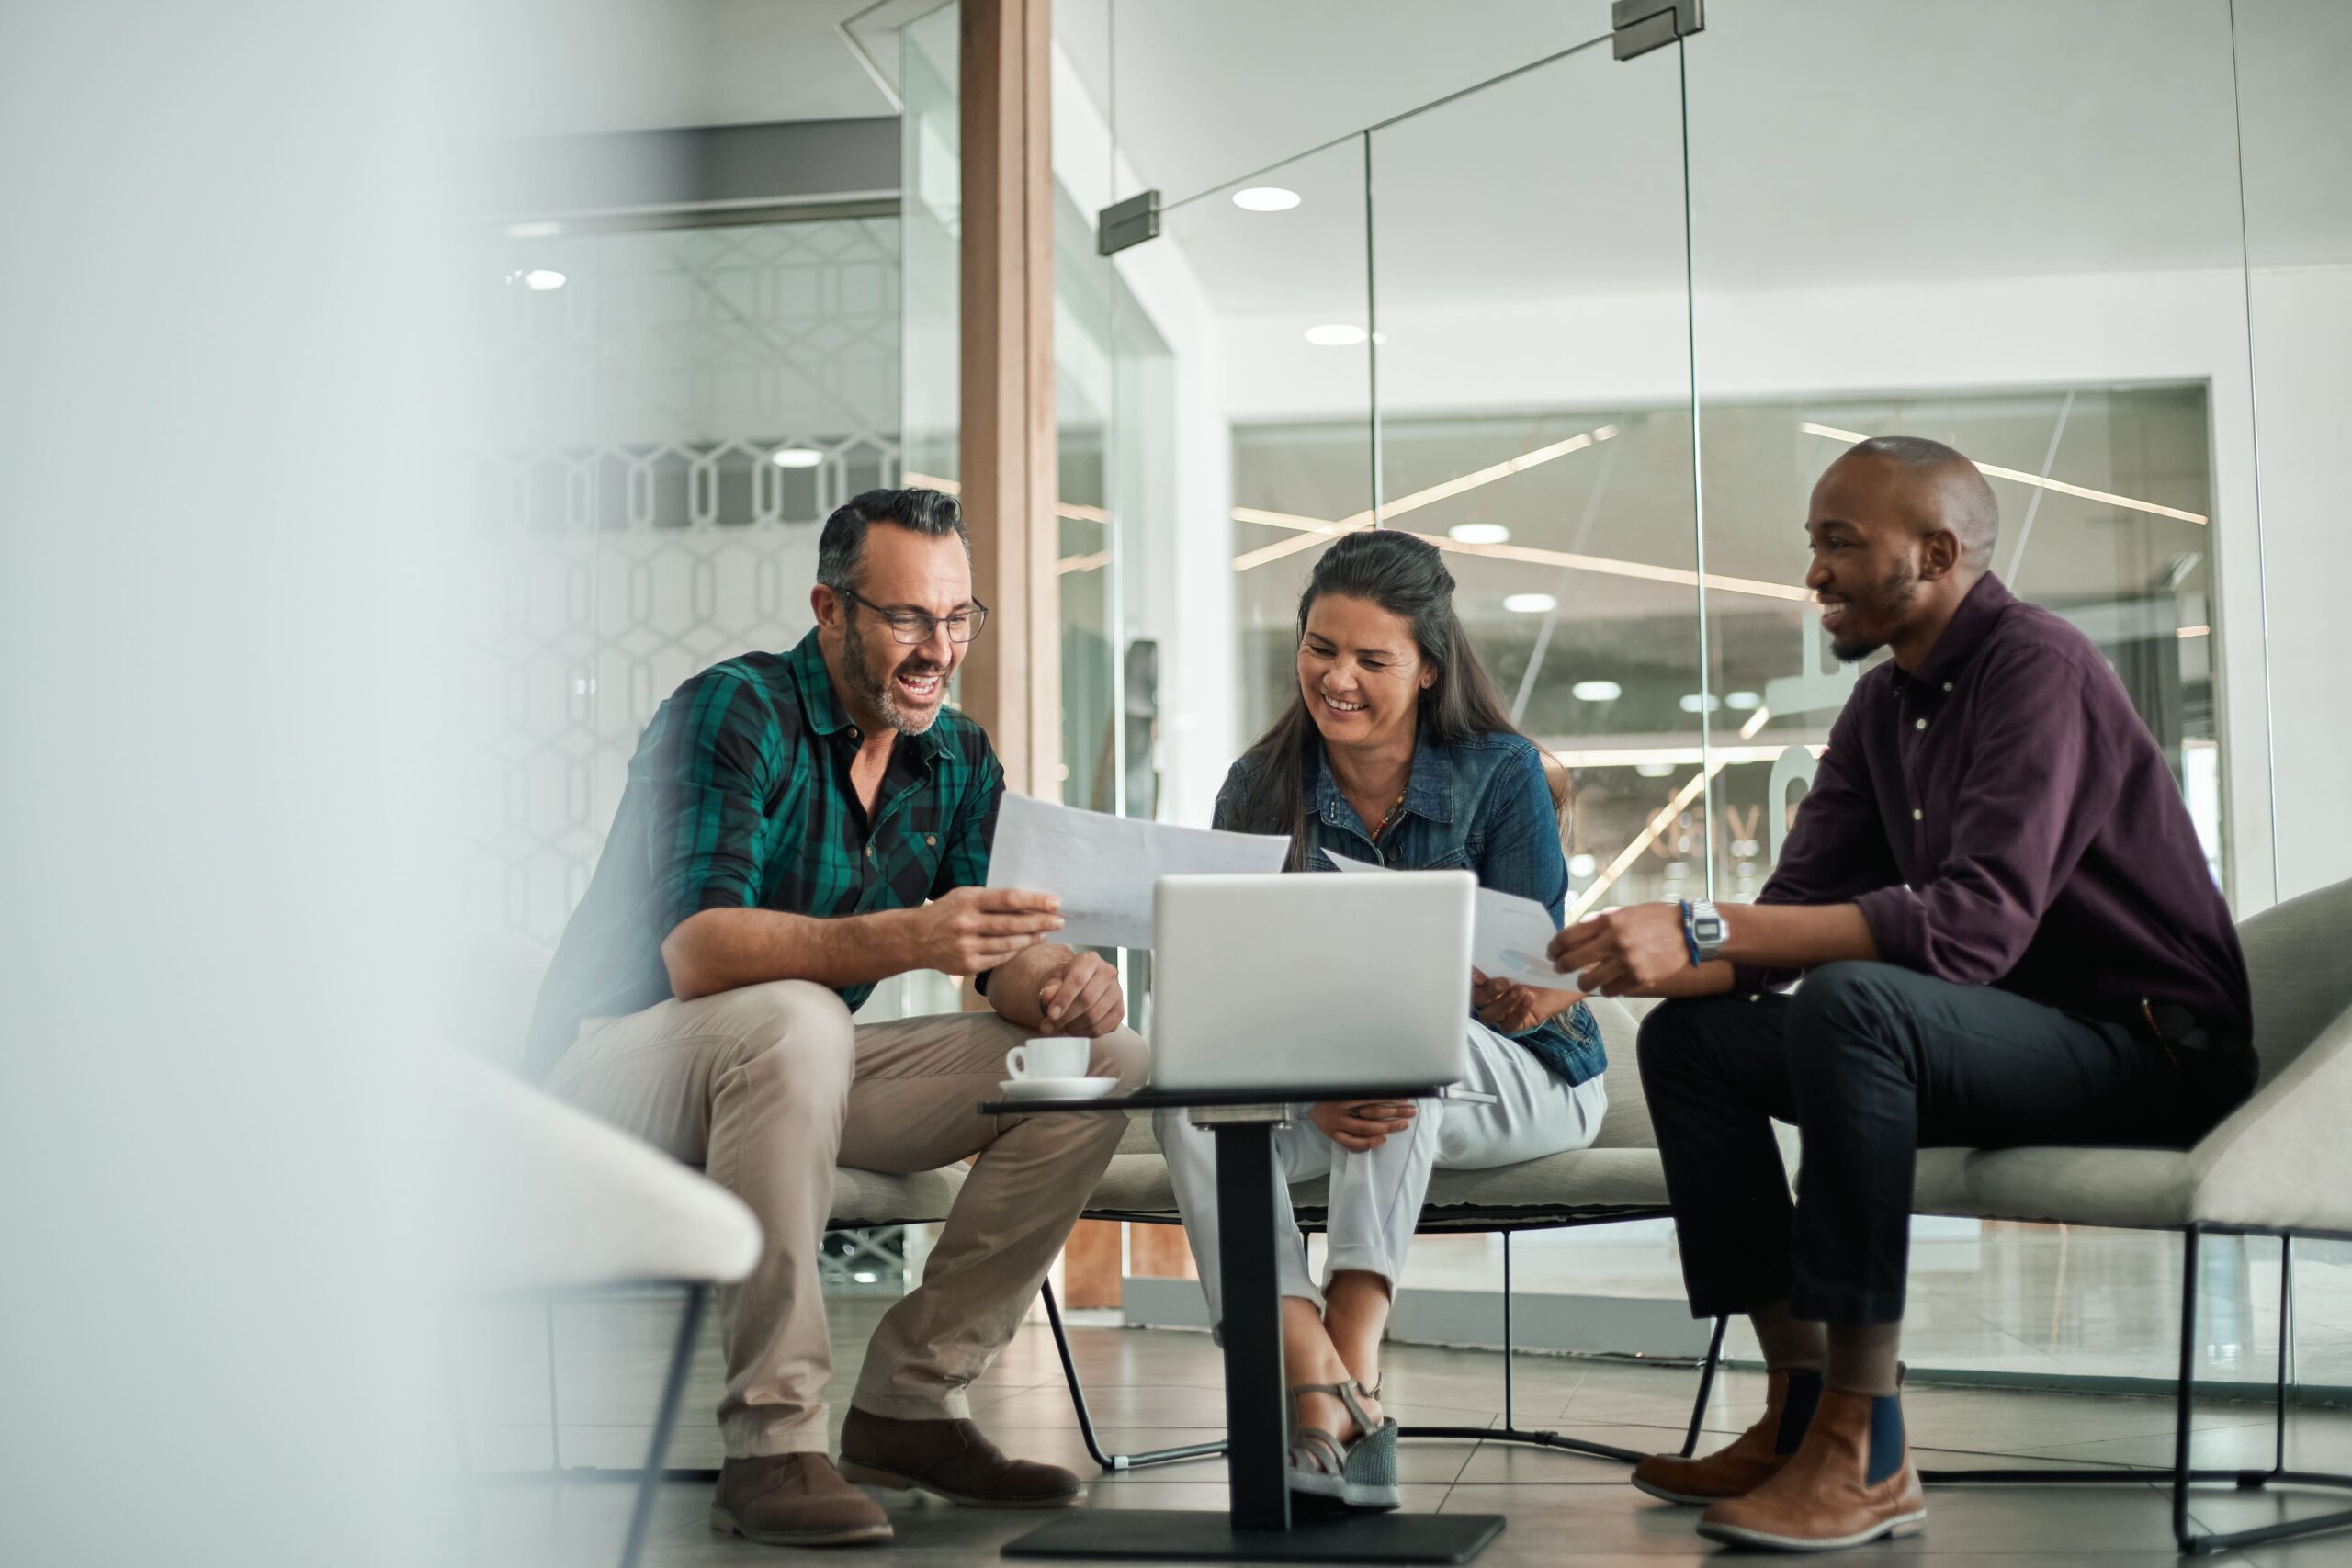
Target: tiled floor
(1154,1387)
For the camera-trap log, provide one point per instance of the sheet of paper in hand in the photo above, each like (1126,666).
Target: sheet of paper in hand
(1103,867)
(1510,935)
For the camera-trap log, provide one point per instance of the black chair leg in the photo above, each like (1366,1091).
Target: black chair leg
(2184,1405)
(674,1390)
(1508,1432)
(1706,1387)
(1110,1462)
(2181,1473)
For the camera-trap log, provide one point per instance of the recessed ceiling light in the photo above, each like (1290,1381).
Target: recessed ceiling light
(1596,691)
(540,228)
(1582,865)
(1478,534)
(1654,769)
(1335,335)
(795,457)
(538,279)
(1692,701)
(1265,198)
(1529,603)
(1743,701)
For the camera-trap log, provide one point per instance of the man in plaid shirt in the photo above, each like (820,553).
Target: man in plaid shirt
(797,828)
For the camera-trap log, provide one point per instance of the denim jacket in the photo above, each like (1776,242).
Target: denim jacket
(1481,805)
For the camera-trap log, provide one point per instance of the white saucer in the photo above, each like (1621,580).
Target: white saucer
(1058,1089)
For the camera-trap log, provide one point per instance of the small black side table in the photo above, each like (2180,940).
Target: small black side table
(1258,1525)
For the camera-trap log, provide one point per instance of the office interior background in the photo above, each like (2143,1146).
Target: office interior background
(426,396)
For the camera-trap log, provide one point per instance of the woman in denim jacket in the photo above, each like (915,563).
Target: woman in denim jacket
(1395,749)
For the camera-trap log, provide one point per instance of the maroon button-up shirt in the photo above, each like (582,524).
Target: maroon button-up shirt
(2003,818)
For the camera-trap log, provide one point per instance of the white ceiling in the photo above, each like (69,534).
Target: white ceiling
(1829,141)
(585,66)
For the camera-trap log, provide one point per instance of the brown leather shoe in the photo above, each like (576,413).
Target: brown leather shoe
(1747,1461)
(793,1500)
(951,1460)
(1824,1499)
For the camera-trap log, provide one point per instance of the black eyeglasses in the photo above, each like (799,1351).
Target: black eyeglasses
(916,627)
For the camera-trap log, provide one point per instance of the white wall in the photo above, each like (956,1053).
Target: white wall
(2303,346)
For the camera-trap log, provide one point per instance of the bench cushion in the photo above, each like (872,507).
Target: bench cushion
(1582,1185)
(866,1198)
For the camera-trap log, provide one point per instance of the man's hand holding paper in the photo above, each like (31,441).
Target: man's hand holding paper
(1101,868)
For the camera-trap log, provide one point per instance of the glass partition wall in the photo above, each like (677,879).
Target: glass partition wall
(1595,328)
(1534,417)
(2054,286)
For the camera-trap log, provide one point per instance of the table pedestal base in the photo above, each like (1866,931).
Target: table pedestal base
(1260,1525)
(1197,1535)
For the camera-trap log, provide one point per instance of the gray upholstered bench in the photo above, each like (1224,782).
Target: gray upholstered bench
(2280,1165)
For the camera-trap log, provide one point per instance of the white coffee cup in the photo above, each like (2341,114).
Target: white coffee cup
(1052,1057)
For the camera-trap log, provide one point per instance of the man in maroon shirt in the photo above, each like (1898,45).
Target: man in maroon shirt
(2006,935)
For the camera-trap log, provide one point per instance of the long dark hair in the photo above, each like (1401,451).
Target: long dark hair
(1404,575)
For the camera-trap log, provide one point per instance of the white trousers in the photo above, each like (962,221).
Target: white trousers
(1376,1196)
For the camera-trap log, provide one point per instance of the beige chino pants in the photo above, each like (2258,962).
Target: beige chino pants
(768,1089)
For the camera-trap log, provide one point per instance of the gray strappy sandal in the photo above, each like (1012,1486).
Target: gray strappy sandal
(1361,1475)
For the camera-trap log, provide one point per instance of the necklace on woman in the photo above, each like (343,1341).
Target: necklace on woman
(1387,818)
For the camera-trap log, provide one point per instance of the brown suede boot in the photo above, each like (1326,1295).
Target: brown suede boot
(951,1460)
(1747,1461)
(1824,1498)
(793,1500)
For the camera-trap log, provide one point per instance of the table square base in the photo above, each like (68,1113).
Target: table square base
(1167,1535)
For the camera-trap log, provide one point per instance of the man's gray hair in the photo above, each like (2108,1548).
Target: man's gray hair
(842,545)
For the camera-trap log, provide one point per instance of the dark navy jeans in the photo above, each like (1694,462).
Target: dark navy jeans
(1872,1063)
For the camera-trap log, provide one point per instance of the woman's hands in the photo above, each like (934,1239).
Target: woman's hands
(1507,1007)
(1360,1124)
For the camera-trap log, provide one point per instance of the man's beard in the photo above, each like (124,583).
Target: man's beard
(877,691)
(1887,599)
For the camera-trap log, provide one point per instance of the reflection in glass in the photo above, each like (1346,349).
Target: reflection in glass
(1543,445)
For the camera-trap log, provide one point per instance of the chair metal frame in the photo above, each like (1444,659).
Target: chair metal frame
(648,1480)
(2183,1474)
(1444,1222)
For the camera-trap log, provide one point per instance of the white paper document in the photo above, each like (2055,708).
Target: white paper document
(1507,937)
(1103,867)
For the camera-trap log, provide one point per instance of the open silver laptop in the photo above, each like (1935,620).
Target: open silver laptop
(1311,981)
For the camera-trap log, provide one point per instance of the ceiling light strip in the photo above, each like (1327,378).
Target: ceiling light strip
(1996,471)
(1610,566)
(1570,754)
(1313,531)
(1287,520)
(1403,503)
(1632,852)
(1487,476)
(1297,542)
(1069,509)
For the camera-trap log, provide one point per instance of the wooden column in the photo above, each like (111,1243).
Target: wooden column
(1011,679)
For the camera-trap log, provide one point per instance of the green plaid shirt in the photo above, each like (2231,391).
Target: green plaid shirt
(739,798)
